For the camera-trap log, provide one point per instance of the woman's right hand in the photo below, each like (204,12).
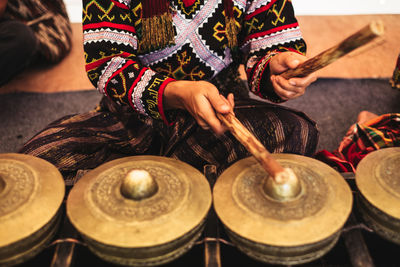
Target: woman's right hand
(201,99)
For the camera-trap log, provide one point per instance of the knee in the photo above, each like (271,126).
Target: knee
(305,134)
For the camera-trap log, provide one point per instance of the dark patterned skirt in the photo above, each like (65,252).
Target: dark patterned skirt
(85,141)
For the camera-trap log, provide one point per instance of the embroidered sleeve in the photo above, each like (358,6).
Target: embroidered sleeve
(110,46)
(270,27)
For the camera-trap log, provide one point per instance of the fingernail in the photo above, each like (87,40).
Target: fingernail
(224,106)
(292,83)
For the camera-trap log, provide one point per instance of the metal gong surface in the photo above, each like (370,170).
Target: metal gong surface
(317,213)
(31,193)
(378,179)
(98,209)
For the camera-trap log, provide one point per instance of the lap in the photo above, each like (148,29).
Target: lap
(280,130)
(86,141)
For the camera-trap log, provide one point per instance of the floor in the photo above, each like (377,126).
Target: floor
(376,60)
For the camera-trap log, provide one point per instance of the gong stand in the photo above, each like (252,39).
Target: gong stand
(65,251)
(355,245)
(212,249)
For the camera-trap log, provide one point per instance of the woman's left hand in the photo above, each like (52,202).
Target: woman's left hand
(293,87)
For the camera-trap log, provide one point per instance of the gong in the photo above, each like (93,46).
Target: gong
(31,193)
(378,180)
(293,231)
(140,210)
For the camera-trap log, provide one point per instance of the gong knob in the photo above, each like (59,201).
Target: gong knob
(284,187)
(138,184)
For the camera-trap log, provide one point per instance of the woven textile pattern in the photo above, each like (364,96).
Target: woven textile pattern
(113,30)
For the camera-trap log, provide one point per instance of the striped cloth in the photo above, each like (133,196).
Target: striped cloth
(77,143)
(84,141)
(378,133)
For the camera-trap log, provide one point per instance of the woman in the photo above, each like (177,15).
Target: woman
(167,67)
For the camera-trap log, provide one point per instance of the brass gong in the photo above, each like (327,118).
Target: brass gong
(31,193)
(140,210)
(283,232)
(378,180)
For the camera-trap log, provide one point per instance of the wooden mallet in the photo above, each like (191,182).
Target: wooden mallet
(358,39)
(285,185)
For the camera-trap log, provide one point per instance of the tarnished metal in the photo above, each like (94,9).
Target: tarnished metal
(284,187)
(151,231)
(290,232)
(138,184)
(31,193)
(378,180)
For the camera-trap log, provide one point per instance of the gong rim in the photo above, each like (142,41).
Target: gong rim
(292,233)
(139,257)
(112,232)
(33,190)
(284,255)
(29,247)
(382,224)
(380,192)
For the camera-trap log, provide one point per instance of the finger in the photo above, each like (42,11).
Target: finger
(287,60)
(231,100)
(278,89)
(291,61)
(203,124)
(350,131)
(207,118)
(219,102)
(289,85)
(287,89)
(304,81)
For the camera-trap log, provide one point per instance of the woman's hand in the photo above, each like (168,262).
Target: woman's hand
(293,87)
(201,99)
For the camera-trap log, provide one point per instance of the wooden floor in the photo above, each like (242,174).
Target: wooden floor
(376,60)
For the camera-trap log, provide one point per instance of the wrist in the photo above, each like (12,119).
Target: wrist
(173,95)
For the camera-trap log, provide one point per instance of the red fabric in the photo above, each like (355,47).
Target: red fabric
(381,132)
(118,4)
(154,8)
(228,6)
(188,2)
(106,24)
(260,10)
(273,30)
(336,160)
(160,101)
(94,65)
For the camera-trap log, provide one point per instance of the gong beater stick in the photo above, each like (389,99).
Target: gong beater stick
(360,38)
(253,145)
(284,184)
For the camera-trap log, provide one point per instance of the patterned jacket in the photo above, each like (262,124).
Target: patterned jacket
(115,67)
